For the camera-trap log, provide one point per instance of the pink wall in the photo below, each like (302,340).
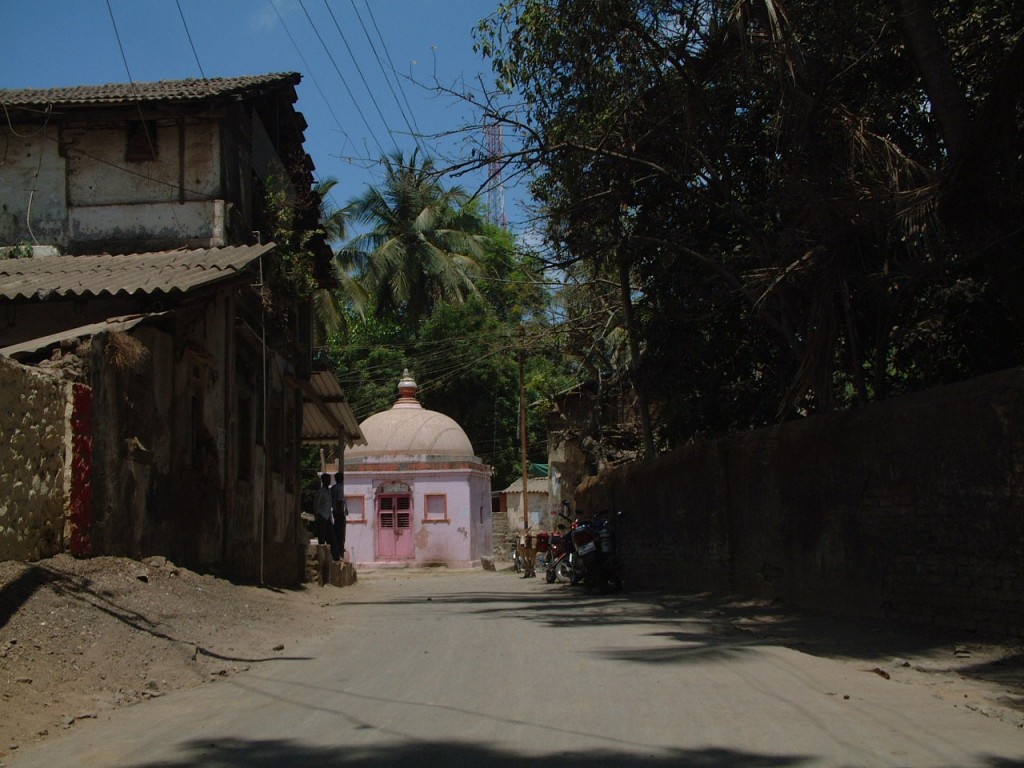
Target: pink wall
(458,541)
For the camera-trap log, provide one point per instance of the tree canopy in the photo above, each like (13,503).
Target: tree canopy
(804,204)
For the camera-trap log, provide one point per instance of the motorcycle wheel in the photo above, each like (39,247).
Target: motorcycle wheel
(563,572)
(549,575)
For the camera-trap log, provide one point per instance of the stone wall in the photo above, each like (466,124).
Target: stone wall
(909,509)
(35,417)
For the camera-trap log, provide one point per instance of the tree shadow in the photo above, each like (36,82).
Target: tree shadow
(704,625)
(229,753)
(14,594)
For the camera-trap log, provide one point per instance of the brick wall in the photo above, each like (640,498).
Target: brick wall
(909,509)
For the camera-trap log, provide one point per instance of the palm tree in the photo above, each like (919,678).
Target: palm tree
(327,302)
(423,244)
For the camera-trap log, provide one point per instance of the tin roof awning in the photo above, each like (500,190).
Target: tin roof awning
(133,274)
(326,415)
(533,485)
(110,325)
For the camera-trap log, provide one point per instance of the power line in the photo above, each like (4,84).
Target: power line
(359,70)
(341,77)
(391,62)
(189,36)
(145,124)
(312,77)
(387,79)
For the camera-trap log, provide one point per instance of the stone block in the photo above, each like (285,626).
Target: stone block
(341,574)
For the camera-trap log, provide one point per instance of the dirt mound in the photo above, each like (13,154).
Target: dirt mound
(78,637)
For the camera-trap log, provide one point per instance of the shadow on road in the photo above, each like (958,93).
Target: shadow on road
(233,753)
(700,626)
(439,754)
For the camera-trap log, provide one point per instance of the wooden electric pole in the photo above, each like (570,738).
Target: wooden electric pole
(522,422)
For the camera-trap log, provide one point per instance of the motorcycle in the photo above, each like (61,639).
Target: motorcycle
(559,562)
(595,546)
(567,567)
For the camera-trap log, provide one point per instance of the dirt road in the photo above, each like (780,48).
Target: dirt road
(483,668)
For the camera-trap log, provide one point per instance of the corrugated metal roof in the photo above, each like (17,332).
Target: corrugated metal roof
(160,272)
(533,485)
(110,325)
(326,415)
(160,91)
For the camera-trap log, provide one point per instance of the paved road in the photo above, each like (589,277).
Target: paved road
(487,669)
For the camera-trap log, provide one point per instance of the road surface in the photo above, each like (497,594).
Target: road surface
(487,669)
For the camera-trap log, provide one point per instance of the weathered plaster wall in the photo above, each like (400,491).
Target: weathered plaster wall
(90,181)
(73,199)
(539,514)
(910,509)
(167,473)
(35,412)
(33,180)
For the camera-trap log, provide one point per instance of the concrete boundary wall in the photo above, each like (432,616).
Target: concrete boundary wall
(35,461)
(910,509)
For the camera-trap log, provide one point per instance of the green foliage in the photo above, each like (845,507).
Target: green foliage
(423,243)
(464,356)
(806,216)
(19,251)
(292,277)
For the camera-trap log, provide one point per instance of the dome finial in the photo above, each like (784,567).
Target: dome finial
(407,391)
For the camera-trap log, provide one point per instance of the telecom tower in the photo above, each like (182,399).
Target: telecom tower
(495,186)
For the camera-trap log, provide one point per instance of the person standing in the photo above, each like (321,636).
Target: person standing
(340,513)
(325,516)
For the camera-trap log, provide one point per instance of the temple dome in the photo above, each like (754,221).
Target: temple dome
(409,429)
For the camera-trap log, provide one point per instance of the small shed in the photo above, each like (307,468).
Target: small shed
(537,501)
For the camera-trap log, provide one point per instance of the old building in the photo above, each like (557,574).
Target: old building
(136,262)
(416,493)
(539,513)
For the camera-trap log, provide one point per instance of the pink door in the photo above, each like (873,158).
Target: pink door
(394,527)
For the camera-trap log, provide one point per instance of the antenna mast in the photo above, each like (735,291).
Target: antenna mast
(495,185)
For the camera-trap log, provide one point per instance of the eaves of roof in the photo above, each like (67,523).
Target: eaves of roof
(327,416)
(110,325)
(533,485)
(156,273)
(159,91)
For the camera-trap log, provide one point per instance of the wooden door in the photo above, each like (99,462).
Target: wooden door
(394,527)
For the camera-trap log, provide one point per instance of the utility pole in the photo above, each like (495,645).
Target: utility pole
(522,422)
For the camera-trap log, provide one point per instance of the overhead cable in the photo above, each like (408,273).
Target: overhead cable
(387,79)
(359,70)
(344,82)
(394,71)
(189,36)
(309,71)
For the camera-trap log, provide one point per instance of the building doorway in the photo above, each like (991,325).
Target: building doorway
(394,526)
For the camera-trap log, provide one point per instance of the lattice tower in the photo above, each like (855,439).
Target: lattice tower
(495,186)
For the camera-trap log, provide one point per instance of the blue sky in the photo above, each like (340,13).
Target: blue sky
(353,111)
